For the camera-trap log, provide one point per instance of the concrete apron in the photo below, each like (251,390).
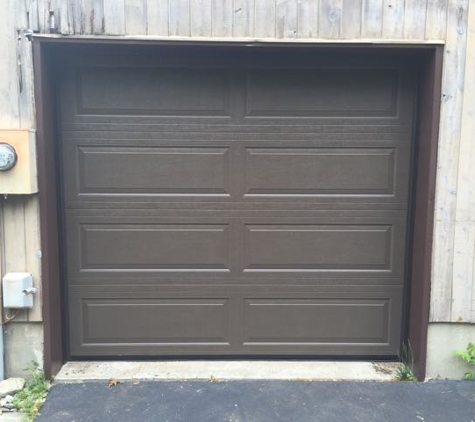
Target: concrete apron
(228,370)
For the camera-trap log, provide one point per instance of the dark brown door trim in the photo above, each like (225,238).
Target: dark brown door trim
(48,197)
(45,49)
(427,135)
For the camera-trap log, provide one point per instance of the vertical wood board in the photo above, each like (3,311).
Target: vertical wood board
(329,19)
(448,162)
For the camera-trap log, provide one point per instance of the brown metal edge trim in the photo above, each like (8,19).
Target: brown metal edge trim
(428,112)
(423,212)
(45,138)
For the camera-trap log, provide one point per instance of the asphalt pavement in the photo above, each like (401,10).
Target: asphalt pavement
(261,401)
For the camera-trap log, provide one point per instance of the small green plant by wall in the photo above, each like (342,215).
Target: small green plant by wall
(404,371)
(468,355)
(29,400)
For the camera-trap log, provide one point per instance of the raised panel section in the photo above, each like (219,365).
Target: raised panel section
(320,171)
(155,321)
(307,247)
(153,247)
(165,91)
(316,321)
(322,92)
(152,171)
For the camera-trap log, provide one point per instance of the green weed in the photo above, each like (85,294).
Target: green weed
(404,371)
(468,355)
(29,400)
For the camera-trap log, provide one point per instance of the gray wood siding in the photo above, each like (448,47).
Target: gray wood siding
(282,19)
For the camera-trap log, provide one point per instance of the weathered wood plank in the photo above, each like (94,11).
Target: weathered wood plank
(415,19)
(286,19)
(179,18)
(222,22)
(135,17)
(464,236)
(32,254)
(14,235)
(24,68)
(307,16)
(265,19)
(372,19)
(329,19)
(97,17)
(43,14)
(39,14)
(64,26)
(393,19)
(14,238)
(157,17)
(351,19)
(114,17)
(77,24)
(86,17)
(200,12)
(472,314)
(448,160)
(26,100)
(464,252)
(436,19)
(34,16)
(243,18)
(9,105)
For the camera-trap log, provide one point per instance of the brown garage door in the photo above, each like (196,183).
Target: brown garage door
(235,202)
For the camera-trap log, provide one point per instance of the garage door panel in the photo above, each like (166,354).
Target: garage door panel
(210,95)
(368,245)
(307,247)
(320,171)
(157,321)
(304,321)
(235,172)
(321,92)
(177,91)
(153,247)
(151,171)
(280,321)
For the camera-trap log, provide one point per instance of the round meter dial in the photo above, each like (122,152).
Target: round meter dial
(8,157)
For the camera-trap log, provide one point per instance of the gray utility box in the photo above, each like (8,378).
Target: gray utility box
(18,290)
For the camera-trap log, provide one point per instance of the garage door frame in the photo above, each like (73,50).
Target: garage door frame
(45,50)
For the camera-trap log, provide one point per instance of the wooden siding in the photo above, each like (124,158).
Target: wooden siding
(450,21)
(260,19)
(19,216)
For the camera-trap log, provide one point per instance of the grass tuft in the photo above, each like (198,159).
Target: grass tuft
(404,371)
